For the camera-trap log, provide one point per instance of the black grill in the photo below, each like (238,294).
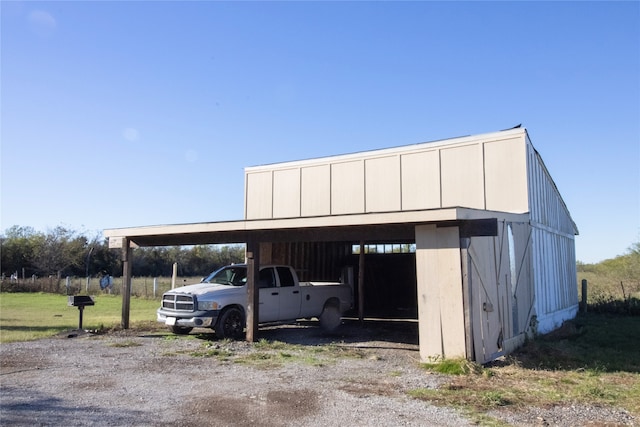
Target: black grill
(80,301)
(178,302)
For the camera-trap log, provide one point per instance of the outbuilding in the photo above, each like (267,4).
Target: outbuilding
(470,236)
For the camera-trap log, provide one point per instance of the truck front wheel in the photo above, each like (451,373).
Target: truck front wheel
(230,324)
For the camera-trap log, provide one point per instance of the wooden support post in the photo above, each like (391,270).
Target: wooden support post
(253,293)
(361,283)
(584,295)
(467,297)
(126,282)
(174,275)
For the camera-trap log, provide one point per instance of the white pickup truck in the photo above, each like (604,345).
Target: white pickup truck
(220,301)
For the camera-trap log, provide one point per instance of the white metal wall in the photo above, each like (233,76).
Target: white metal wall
(483,172)
(553,248)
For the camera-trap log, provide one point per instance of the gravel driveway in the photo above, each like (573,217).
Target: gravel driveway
(135,378)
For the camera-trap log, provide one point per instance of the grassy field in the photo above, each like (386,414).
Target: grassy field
(28,316)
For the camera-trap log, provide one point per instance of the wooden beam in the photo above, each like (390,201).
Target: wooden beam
(253,293)
(361,283)
(466,297)
(126,282)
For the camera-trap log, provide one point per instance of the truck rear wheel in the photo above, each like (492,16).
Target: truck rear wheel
(181,330)
(230,324)
(330,317)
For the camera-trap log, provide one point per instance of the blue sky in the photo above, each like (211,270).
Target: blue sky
(119,114)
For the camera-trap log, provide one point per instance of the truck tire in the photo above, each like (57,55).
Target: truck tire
(330,318)
(230,324)
(181,330)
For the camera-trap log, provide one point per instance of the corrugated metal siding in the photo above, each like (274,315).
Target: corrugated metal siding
(553,243)
(546,206)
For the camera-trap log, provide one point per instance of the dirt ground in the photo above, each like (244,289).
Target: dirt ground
(358,376)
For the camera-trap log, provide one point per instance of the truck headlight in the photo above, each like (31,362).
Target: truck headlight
(207,305)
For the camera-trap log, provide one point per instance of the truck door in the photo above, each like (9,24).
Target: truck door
(269,296)
(289,295)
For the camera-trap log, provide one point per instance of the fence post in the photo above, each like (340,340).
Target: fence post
(174,275)
(584,295)
(155,286)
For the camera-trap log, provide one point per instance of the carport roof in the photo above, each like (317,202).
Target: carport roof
(391,226)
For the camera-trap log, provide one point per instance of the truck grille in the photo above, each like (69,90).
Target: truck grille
(178,302)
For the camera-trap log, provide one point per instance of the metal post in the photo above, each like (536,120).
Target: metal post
(81,308)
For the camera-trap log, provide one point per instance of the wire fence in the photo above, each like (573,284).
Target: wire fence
(143,287)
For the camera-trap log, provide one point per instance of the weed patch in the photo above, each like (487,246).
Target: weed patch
(593,361)
(125,344)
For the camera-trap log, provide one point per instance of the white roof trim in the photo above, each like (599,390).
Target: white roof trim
(421,216)
(493,136)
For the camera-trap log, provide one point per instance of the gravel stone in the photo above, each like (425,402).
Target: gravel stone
(133,378)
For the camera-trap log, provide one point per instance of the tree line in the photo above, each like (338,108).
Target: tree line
(60,252)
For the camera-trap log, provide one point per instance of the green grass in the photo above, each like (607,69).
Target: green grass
(266,354)
(28,316)
(593,360)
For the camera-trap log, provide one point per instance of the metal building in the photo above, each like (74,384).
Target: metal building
(494,253)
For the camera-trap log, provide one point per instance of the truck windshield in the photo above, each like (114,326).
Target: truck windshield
(233,276)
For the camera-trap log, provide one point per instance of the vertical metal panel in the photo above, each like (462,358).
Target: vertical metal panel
(553,243)
(555,278)
(462,178)
(286,193)
(382,184)
(421,180)
(545,203)
(316,190)
(505,169)
(347,187)
(259,197)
